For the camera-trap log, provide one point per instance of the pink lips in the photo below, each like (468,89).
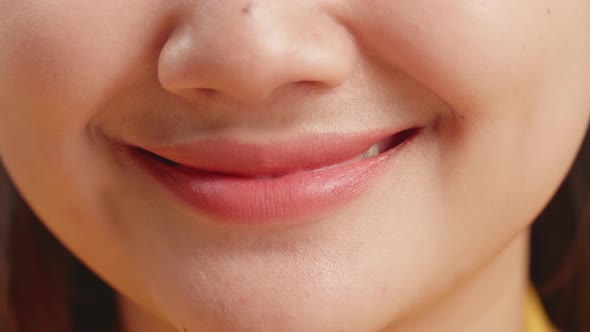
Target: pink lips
(243,183)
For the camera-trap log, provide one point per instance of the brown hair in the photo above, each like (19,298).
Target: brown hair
(560,249)
(44,288)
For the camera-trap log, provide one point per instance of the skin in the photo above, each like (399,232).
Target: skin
(500,88)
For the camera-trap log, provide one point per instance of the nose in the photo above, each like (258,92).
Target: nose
(249,51)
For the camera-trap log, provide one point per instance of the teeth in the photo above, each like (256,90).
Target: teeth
(371,152)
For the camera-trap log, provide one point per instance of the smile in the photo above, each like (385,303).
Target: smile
(277,183)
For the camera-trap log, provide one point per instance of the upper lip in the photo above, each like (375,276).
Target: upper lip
(228,155)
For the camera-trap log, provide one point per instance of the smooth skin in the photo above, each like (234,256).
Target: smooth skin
(500,89)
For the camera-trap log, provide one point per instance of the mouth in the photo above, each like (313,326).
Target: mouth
(278,183)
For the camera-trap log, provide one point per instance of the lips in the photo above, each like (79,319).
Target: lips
(278,182)
(310,152)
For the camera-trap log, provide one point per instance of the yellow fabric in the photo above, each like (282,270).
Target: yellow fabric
(535,318)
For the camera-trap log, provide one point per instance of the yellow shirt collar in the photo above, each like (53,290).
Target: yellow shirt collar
(535,318)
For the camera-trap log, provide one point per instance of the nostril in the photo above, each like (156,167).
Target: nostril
(310,85)
(307,83)
(206,92)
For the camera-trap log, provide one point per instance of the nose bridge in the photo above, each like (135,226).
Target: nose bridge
(249,50)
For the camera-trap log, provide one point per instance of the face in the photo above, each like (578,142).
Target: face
(494,92)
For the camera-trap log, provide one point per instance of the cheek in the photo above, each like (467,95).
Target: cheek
(61,62)
(476,54)
(516,72)
(516,75)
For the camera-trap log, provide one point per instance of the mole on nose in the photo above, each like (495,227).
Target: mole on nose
(247,9)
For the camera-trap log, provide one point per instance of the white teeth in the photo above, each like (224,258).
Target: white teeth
(371,152)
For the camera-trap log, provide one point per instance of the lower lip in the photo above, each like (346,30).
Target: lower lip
(286,199)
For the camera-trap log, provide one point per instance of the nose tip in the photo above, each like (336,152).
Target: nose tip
(251,52)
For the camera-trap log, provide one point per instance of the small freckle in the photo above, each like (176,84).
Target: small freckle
(247,9)
(548,11)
